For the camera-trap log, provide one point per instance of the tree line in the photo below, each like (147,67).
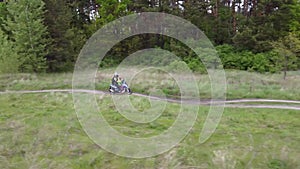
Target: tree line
(47,35)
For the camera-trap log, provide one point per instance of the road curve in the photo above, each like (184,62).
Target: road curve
(259,103)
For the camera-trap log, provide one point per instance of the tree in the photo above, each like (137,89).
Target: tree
(266,21)
(108,11)
(3,14)
(9,61)
(28,33)
(81,11)
(294,24)
(67,39)
(288,48)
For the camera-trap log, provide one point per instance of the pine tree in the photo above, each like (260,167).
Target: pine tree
(67,38)
(28,33)
(9,62)
(3,14)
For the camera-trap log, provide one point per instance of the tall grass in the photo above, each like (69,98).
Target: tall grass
(42,131)
(240,84)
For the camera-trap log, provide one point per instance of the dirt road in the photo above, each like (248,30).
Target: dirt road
(236,103)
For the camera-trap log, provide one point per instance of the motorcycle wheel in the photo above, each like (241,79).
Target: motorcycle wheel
(129,91)
(111,91)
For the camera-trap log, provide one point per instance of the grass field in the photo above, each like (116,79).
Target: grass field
(42,131)
(240,84)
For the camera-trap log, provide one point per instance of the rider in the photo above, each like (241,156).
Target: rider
(114,80)
(120,82)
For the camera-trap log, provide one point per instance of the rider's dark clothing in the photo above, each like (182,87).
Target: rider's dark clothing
(114,81)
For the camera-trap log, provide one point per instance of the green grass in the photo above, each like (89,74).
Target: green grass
(42,131)
(240,84)
(35,81)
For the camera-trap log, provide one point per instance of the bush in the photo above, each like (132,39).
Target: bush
(196,65)
(246,60)
(178,66)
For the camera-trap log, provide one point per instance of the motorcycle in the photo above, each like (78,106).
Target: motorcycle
(122,89)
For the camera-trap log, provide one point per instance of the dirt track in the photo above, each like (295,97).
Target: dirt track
(236,103)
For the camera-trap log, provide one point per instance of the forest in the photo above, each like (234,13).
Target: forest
(60,111)
(47,35)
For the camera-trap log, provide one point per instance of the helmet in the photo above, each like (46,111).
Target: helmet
(116,74)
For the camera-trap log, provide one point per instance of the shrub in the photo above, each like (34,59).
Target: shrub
(178,66)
